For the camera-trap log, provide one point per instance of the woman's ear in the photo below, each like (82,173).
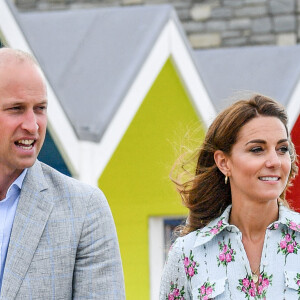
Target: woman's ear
(221,160)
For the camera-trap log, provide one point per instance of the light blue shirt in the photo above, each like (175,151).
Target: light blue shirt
(8,207)
(211,263)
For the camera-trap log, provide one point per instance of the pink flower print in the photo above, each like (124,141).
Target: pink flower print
(265,282)
(176,292)
(214,230)
(274,226)
(191,271)
(259,289)
(288,237)
(222,256)
(297,281)
(226,254)
(293,225)
(247,286)
(190,266)
(246,282)
(252,292)
(283,244)
(186,261)
(206,290)
(290,248)
(209,290)
(288,244)
(228,257)
(202,289)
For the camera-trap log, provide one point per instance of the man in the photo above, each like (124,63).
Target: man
(57,235)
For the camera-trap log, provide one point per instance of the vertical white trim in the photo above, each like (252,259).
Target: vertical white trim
(61,131)
(190,76)
(87,164)
(293,107)
(132,100)
(156,254)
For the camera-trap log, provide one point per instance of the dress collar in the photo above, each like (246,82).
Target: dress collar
(286,218)
(213,228)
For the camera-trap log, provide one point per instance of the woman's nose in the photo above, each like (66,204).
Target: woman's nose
(273,161)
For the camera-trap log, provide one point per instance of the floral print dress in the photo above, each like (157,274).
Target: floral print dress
(211,263)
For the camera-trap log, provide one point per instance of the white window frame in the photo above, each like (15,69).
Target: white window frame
(157,251)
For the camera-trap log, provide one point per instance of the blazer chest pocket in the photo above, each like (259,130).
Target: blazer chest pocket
(213,289)
(292,282)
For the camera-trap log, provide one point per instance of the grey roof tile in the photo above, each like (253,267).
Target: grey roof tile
(233,72)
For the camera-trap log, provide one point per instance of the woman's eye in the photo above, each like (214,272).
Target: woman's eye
(284,149)
(256,149)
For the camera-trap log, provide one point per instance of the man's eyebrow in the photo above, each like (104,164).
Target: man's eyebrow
(43,102)
(258,141)
(23,103)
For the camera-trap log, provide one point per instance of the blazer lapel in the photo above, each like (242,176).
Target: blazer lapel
(34,207)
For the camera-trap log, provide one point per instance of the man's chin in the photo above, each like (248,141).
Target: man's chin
(26,163)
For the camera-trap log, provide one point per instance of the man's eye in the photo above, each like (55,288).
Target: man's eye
(42,107)
(256,149)
(15,108)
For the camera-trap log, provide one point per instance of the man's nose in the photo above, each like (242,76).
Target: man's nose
(30,122)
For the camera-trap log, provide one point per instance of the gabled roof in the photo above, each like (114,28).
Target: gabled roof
(270,70)
(92,56)
(99,65)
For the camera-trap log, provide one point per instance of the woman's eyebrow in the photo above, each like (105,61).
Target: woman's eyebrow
(258,141)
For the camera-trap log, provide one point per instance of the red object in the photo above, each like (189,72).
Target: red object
(293,195)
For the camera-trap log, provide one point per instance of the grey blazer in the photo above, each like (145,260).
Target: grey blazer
(63,243)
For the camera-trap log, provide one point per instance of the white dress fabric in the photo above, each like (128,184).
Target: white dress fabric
(211,263)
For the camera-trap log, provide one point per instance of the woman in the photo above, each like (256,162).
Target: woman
(240,241)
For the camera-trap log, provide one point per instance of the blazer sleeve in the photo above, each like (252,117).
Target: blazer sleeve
(98,270)
(174,283)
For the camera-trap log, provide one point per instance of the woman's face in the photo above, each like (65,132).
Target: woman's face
(259,164)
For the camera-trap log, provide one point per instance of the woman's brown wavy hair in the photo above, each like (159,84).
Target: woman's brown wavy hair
(206,195)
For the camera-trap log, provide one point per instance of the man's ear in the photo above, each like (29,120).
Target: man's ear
(221,160)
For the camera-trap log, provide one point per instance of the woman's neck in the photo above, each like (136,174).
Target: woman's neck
(253,218)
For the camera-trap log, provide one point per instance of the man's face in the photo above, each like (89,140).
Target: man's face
(23,119)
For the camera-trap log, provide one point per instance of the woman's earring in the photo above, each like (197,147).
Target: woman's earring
(226,179)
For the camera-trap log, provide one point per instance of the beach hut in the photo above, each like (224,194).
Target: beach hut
(123,90)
